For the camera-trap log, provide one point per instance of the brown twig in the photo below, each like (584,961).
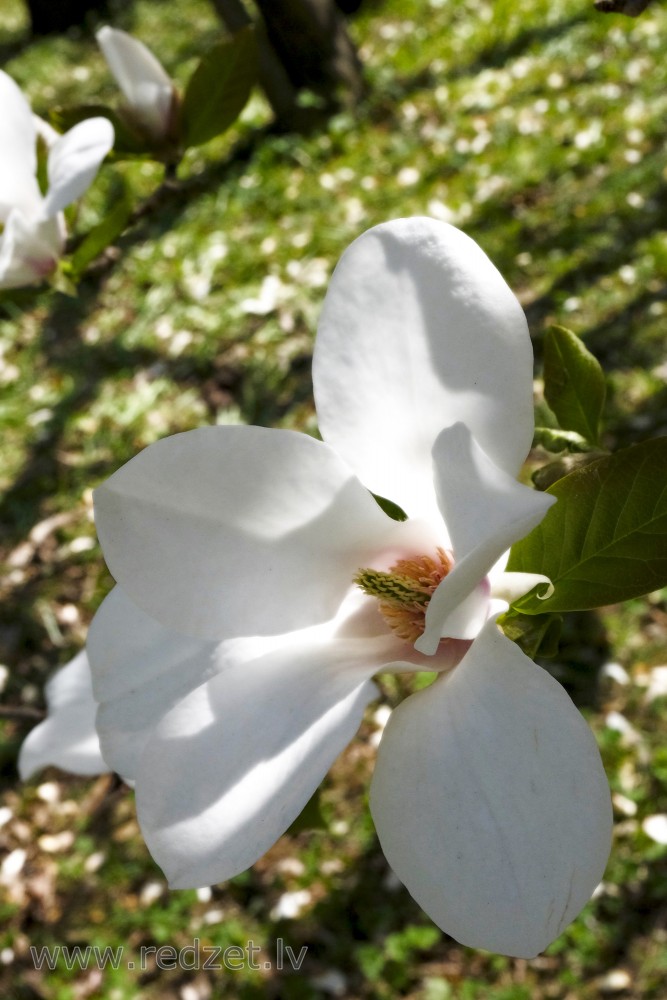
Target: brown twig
(21,712)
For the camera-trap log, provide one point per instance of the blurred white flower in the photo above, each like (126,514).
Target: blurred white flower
(34,232)
(149,92)
(655,827)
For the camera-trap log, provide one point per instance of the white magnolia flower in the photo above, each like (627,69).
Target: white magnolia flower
(33,237)
(148,90)
(67,737)
(260,586)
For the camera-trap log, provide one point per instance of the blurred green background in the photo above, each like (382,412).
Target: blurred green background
(539,128)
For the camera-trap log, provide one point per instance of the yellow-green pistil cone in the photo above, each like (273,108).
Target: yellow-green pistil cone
(404,592)
(400,590)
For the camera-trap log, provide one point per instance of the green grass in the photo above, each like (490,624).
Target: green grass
(539,129)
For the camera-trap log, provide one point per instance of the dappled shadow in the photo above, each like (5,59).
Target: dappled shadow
(381,106)
(83,366)
(64,348)
(497,53)
(597,246)
(42,474)
(604,244)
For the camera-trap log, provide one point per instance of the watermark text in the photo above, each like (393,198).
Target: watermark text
(166,957)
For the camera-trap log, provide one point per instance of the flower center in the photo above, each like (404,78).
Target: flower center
(404,592)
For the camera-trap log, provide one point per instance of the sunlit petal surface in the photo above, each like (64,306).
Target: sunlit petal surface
(230,531)
(74,160)
(418,331)
(485,510)
(491,803)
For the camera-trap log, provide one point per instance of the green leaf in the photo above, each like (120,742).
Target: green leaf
(536,635)
(574,384)
(549,474)
(606,539)
(102,235)
(219,88)
(61,280)
(552,439)
(390,508)
(42,165)
(126,141)
(402,945)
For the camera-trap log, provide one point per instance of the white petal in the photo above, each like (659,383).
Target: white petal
(67,737)
(478,500)
(419,330)
(511,586)
(468,617)
(30,246)
(45,131)
(232,765)
(228,531)
(127,648)
(74,159)
(18,162)
(485,510)
(140,670)
(146,86)
(491,802)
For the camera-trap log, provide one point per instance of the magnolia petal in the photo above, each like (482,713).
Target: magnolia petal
(29,249)
(229,531)
(127,648)
(124,724)
(67,737)
(468,617)
(145,84)
(485,510)
(45,131)
(491,803)
(74,159)
(497,607)
(419,330)
(233,764)
(479,501)
(511,586)
(140,670)
(18,162)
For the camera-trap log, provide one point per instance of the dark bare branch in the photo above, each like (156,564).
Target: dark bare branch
(633,8)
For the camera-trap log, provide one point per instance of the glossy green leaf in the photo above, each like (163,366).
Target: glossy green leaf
(555,440)
(390,508)
(574,383)
(536,635)
(549,474)
(606,539)
(219,88)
